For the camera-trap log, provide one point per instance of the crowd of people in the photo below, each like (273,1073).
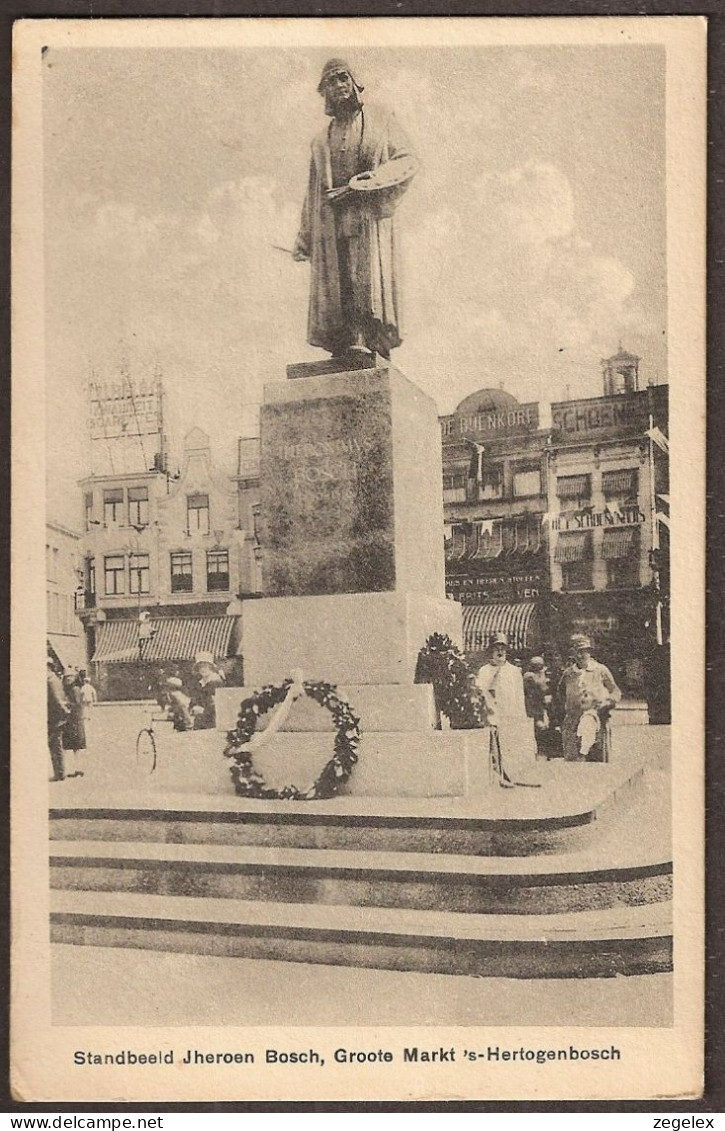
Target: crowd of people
(70,699)
(191,706)
(539,716)
(536,715)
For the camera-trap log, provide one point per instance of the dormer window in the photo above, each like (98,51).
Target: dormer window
(197,514)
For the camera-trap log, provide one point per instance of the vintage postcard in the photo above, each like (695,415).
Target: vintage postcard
(358,373)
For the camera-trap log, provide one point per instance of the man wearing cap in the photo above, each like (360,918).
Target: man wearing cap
(586,675)
(348,233)
(503,692)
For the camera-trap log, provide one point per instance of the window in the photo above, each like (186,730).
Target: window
(197,514)
(182,577)
(576,576)
(88,508)
(138,573)
(574,492)
(491,486)
(527,480)
(454,487)
(89,598)
(50,563)
(620,487)
(138,506)
(114,575)
(217,571)
(113,506)
(623,573)
(574,555)
(620,550)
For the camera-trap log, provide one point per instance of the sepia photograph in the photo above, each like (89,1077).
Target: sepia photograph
(354,356)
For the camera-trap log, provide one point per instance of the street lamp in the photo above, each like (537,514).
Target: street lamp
(146,631)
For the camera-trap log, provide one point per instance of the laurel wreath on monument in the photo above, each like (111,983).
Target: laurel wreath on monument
(243,740)
(454,684)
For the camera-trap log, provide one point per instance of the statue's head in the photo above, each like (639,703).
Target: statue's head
(339,88)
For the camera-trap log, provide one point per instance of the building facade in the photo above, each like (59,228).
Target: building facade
(167,561)
(609,534)
(563,529)
(64,591)
(495,502)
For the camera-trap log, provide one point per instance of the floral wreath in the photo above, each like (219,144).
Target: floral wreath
(243,739)
(454,684)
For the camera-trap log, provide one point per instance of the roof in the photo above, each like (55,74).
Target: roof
(486,400)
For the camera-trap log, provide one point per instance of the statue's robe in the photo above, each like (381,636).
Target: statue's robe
(362,229)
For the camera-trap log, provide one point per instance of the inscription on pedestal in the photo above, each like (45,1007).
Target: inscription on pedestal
(327,495)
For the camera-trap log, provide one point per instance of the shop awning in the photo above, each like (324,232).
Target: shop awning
(573,487)
(572,547)
(618,543)
(175,638)
(481,622)
(70,651)
(620,482)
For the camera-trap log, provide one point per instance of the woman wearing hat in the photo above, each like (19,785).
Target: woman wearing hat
(503,691)
(586,684)
(202,701)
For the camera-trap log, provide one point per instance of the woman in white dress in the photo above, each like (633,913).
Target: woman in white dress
(503,690)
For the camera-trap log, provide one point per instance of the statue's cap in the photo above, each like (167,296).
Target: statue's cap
(335,66)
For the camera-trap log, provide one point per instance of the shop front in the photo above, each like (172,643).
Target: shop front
(129,664)
(505,597)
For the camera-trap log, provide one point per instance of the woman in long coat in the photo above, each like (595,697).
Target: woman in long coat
(503,690)
(74,731)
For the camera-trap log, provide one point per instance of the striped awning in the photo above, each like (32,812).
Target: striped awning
(572,547)
(481,622)
(70,651)
(573,487)
(175,638)
(618,543)
(620,482)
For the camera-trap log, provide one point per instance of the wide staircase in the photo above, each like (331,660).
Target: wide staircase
(585,893)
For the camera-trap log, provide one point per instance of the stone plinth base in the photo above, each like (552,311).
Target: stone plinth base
(389,765)
(350,638)
(389,707)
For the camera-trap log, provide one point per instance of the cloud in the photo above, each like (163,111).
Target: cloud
(528,204)
(509,290)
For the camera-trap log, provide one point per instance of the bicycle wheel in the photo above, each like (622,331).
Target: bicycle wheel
(146,750)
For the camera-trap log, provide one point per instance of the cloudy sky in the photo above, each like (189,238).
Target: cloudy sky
(533,238)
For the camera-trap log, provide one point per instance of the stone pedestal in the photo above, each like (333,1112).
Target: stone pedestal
(352,498)
(353,568)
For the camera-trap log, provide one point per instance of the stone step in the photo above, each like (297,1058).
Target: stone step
(602,943)
(574,807)
(490,885)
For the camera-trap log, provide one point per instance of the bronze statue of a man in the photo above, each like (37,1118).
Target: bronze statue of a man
(361,165)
